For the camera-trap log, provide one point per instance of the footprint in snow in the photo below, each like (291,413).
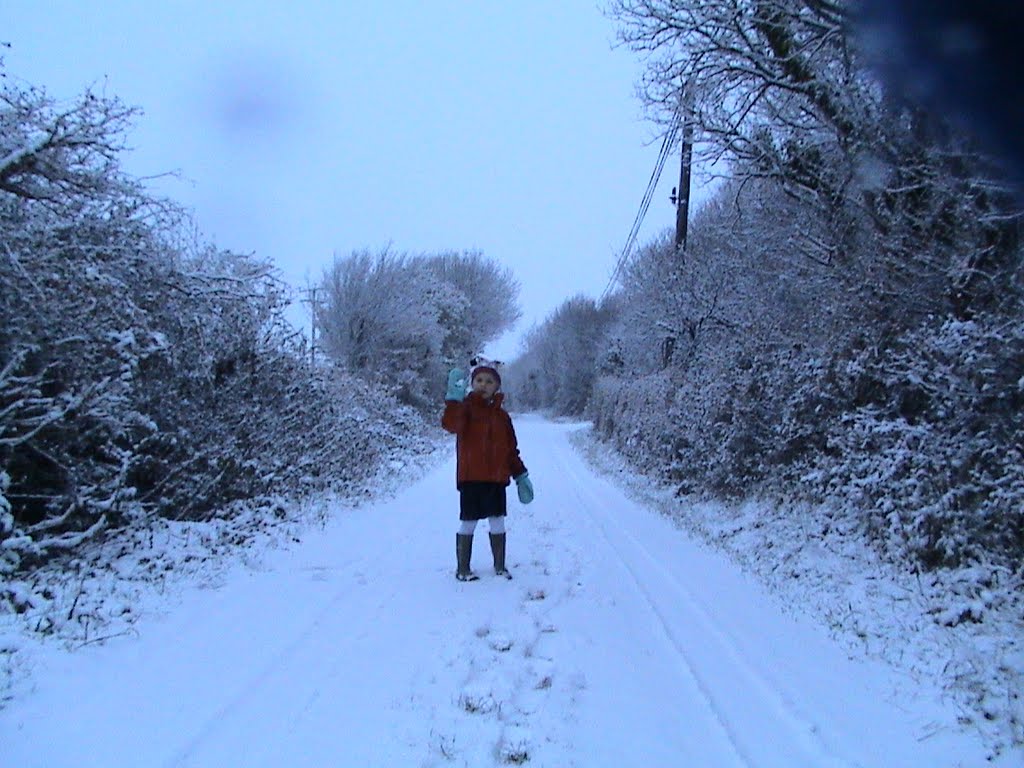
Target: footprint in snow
(500,642)
(477,699)
(320,573)
(516,744)
(542,672)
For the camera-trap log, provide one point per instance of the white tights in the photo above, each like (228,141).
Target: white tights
(497,525)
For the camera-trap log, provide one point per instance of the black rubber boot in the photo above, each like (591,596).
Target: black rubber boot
(463,554)
(498,550)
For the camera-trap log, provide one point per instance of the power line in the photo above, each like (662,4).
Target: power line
(652,184)
(644,205)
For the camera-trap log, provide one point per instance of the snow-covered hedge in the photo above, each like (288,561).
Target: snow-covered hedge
(931,457)
(143,374)
(920,442)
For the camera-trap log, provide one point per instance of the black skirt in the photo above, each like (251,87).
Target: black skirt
(480,500)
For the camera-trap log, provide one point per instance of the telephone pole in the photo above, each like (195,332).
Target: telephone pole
(681,200)
(313,306)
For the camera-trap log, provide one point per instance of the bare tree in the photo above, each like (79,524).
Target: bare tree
(59,154)
(911,207)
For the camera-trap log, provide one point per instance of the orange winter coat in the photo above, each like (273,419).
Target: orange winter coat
(485,442)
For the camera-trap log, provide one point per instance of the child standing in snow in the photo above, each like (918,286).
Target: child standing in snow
(487,455)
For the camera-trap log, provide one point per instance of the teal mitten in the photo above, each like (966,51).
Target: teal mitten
(456,385)
(524,488)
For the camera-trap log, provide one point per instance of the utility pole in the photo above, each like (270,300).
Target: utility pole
(311,292)
(681,200)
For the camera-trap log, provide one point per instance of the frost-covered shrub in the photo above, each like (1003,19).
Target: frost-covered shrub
(8,558)
(631,414)
(930,453)
(800,363)
(143,374)
(921,442)
(704,433)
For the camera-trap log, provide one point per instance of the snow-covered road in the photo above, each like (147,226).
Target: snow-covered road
(619,642)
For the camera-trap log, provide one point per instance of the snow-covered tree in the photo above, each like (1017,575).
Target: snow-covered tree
(61,155)
(143,372)
(490,303)
(779,87)
(864,251)
(402,320)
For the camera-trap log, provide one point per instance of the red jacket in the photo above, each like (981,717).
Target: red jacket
(485,442)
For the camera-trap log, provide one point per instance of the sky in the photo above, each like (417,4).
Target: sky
(620,641)
(305,130)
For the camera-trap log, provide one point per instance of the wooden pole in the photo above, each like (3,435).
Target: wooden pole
(685,160)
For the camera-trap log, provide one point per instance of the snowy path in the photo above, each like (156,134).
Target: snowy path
(619,643)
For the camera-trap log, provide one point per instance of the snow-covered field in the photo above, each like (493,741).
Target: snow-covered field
(621,641)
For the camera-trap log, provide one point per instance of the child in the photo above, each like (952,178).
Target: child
(487,454)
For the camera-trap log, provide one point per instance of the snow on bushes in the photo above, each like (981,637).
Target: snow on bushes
(920,442)
(930,454)
(145,375)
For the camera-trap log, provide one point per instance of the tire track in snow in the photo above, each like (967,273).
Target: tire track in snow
(267,671)
(566,457)
(804,731)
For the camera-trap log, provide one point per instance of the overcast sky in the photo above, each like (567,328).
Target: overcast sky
(312,128)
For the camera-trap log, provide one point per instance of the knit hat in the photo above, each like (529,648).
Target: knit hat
(485,369)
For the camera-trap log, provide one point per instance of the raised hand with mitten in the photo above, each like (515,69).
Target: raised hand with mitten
(456,385)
